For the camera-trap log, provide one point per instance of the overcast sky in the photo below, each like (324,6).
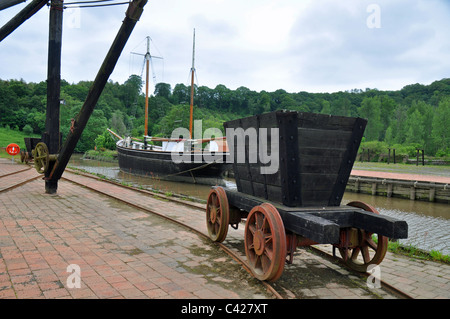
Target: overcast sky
(295,45)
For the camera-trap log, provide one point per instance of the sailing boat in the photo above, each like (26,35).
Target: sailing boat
(197,165)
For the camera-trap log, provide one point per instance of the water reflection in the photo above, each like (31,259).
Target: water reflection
(428,223)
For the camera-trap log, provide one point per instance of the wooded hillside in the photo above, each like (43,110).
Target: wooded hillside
(415,116)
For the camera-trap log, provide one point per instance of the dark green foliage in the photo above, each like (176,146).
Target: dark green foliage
(415,116)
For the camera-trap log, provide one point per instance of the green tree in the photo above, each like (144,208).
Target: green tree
(117,123)
(388,106)
(180,94)
(27,129)
(371,110)
(415,131)
(96,125)
(440,131)
(163,90)
(105,140)
(325,107)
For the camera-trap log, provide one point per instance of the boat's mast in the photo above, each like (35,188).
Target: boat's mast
(147,61)
(192,88)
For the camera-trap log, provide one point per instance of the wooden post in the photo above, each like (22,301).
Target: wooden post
(432,193)
(412,193)
(51,136)
(393,150)
(389,190)
(389,155)
(134,12)
(423,156)
(374,188)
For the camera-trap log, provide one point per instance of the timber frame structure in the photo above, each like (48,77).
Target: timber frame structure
(50,157)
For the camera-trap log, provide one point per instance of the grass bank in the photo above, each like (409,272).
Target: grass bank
(8,136)
(414,252)
(101,155)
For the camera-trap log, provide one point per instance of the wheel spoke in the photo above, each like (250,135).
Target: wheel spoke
(268,239)
(355,253)
(258,263)
(372,244)
(215,200)
(365,254)
(265,263)
(216,228)
(269,252)
(252,228)
(259,221)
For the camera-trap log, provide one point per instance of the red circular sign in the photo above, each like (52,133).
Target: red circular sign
(13,149)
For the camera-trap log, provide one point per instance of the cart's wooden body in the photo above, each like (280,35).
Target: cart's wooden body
(299,203)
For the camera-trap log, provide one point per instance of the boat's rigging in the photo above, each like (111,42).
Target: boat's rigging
(192,88)
(149,57)
(147,61)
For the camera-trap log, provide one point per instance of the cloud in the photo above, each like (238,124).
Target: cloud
(308,45)
(337,48)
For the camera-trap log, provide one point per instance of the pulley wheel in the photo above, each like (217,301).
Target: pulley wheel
(41,158)
(217,214)
(265,242)
(368,251)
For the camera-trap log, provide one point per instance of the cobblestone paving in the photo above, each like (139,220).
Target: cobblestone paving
(123,252)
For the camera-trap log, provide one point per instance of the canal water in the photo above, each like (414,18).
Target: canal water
(428,223)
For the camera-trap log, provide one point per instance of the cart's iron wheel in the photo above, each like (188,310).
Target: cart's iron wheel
(367,252)
(217,214)
(265,242)
(41,158)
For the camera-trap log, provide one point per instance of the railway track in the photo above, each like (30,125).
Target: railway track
(9,185)
(197,206)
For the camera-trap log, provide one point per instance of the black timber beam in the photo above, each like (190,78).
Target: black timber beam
(302,222)
(9,3)
(368,221)
(21,17)
(382,225)
(323,224)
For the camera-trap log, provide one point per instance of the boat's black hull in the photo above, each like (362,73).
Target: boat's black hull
(159,164)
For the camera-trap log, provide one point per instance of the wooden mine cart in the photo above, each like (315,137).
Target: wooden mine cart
(299,203)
